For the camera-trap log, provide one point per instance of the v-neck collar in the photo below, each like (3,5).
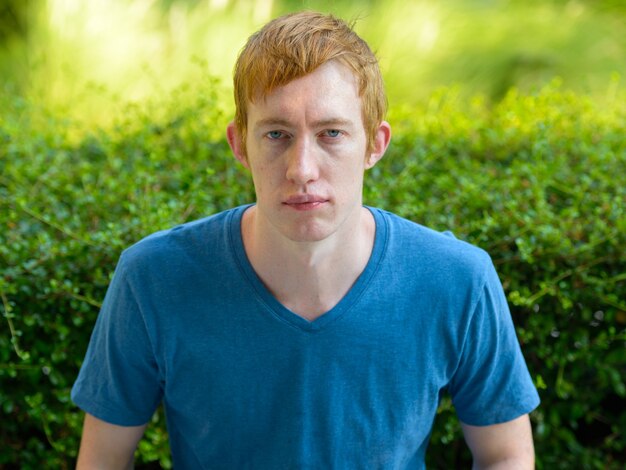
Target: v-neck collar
(279,310)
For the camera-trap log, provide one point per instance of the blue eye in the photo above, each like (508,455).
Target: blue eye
(333,133)
(274,134)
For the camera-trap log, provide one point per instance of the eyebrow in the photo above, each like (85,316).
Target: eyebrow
(332,122)
(271,122)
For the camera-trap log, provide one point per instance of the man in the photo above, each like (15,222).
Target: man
(306,330)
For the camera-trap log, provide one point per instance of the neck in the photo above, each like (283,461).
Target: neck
(309,278)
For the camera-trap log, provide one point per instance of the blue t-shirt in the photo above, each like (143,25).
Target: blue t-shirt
(246,383)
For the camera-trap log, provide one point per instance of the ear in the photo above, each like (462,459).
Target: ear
(236,145)
(381,142)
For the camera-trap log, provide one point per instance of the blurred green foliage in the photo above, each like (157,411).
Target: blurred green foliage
(537,180)
(136,49)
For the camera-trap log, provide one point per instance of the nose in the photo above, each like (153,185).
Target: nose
(302,164)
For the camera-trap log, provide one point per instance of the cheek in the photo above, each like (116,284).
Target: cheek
(266,177)
(352,166)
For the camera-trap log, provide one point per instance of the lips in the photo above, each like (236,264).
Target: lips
(305,201)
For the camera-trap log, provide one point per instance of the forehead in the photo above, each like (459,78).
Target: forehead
(329,92)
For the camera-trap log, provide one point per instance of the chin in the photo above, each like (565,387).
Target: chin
(306,233)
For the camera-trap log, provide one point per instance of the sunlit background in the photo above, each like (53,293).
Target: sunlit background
(85,58)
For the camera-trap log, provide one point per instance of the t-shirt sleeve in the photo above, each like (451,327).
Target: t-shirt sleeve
(119,381)
(491,383)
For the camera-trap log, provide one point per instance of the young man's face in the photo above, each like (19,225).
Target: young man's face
(307,152)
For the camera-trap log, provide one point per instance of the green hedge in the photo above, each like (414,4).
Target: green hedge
(537,180)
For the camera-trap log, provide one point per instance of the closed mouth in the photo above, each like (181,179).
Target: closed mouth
(305,201)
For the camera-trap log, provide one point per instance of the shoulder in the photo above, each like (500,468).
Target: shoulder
(439,254)
(194,240)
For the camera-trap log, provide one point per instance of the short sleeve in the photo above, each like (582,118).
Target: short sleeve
(491,383)
(119,381)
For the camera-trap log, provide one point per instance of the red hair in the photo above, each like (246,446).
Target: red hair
(294,45)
